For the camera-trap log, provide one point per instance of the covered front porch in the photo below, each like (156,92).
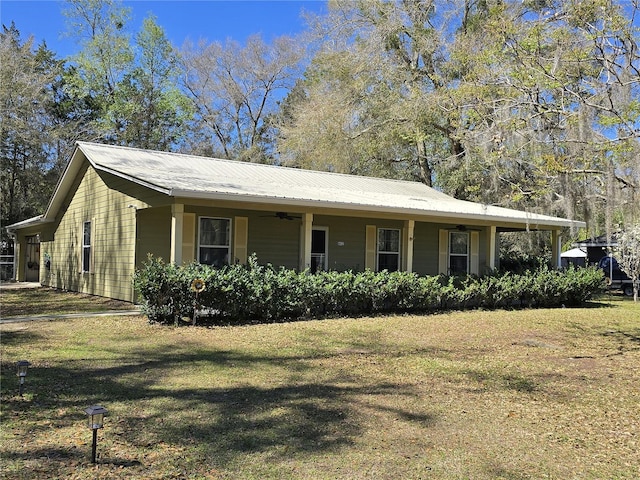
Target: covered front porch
(217,233)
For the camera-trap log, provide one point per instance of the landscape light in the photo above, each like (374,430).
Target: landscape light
(96,415)
(22,373)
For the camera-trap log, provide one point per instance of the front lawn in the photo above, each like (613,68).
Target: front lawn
(44,300)
(549,393)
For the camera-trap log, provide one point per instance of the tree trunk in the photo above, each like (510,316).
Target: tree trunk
(426,172)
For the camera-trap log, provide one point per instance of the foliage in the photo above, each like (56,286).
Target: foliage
(254,292)
(28,133)
(367,102)
(524,104)
(154,112)
(524,251)
(529,105)
(131,84)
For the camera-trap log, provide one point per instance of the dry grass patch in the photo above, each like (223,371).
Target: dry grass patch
(482,395)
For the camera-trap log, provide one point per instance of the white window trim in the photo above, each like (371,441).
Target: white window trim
(468,254)
(216,246)
(86,268)
(378,251)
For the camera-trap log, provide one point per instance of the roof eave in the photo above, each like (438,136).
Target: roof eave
(526,223)
(30,222)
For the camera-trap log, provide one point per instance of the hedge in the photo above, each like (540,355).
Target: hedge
(262,293)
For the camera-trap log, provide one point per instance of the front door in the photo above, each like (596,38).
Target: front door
(319,237)
(32,259)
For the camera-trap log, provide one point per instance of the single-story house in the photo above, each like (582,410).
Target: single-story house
(115,205)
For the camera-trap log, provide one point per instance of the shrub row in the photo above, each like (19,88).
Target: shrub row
(254,292)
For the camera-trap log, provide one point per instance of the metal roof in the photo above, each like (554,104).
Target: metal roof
(180,175)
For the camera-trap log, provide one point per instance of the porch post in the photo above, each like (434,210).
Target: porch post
(491,248)
(18,263)
(177,223)
(556,243)
(305,241)
(407,245)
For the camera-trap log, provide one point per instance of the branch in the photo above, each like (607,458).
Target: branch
(585,171)
(375,125)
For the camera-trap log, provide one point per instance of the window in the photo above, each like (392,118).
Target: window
(388,249)
(458,253)
(86,247)
(214,241)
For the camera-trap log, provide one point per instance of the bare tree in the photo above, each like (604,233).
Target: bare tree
(235,89)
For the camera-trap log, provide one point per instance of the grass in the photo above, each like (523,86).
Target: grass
(482,395)
(52,301)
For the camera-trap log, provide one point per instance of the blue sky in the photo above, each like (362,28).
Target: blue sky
(194,19)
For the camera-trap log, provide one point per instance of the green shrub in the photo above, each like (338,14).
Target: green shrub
(254,292)
(162,289)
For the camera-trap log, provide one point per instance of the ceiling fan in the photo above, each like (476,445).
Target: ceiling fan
(282,216)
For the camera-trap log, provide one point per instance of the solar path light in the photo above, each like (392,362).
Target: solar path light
(23,365)
(96,415)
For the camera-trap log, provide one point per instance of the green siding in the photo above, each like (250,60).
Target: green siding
(346,241)
(154,234)
(275,241)
(425,248)
(136,195)
(113,238)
